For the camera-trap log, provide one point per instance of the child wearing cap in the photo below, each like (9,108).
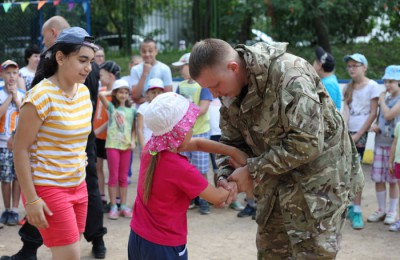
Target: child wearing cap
(201,97)
(385,147)
(109,73)
(10,102)
(50,142)
(120,142)
(155,88)
(361,96)
(168,182)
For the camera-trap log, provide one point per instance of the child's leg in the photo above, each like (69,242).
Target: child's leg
(6,192)
(394,197)
(380,188)
(124,165)
(16,193)
(113,159)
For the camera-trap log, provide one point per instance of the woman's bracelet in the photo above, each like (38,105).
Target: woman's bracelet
(33,202)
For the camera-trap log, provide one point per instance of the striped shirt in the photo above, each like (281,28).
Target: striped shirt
(58,153)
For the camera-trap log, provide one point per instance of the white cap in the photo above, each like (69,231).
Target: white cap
(155,83)
(120,83)
(183,60)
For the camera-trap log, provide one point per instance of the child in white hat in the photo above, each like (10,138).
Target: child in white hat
(120,141)
(168,182)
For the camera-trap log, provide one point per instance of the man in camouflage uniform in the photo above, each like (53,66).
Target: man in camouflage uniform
(302,162)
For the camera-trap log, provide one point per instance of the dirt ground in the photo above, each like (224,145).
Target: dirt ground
(222,236)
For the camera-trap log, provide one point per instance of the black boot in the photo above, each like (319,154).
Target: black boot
(26,253)
(99,249)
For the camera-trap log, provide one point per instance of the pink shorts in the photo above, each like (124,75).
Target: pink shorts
(69,207)
(397,170)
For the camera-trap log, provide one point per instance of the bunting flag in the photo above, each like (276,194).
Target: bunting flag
(56,2)
(41,4)
(6,6)
(70,6)
(24,5)
(85,7)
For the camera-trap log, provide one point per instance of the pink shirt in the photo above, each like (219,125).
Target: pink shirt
(175,183)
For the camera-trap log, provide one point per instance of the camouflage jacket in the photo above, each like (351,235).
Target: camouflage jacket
(300,152)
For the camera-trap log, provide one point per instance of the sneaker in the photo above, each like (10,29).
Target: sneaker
(99,249)
(350,212)
(390,218)
(357,221)
(4,217)
(12,218)
(395,227)
(236,206)
(376,216)
(204,207)
(106,207)
(126,212)
(113,214)
(192,205)
(247,212)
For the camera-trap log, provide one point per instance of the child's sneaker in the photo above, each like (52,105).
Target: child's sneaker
(236,206)
(113,214)
(126,212)
(395,226)
(357,221)
(12,218)
(376,216)
(390,218)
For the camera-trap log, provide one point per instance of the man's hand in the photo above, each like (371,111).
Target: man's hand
(243,179)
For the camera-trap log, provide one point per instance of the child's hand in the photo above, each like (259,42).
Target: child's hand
(238,159)
(391,170)
(375,128)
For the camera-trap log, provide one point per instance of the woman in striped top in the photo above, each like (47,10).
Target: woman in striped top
(54,123)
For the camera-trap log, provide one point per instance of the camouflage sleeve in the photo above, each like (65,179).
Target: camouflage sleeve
(301,119)
(230,135)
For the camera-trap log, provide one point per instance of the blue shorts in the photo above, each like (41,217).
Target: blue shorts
(7,172)
(199,159)
(142,249)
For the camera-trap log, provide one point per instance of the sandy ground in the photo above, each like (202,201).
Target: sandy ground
(222,235)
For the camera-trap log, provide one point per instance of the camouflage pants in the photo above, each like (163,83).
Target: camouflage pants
(273,241)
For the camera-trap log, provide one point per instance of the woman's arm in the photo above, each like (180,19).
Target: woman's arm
(28,126)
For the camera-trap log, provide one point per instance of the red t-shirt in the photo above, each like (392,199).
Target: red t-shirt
(175,183)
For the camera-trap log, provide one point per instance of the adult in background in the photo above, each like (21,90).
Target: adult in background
(302,161)
(32,58)
(94,230)
(324,65)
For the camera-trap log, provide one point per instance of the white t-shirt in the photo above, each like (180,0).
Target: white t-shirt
(159,70)
(213,112)
(360,106)
(146,131)
(9,120)
(28,76)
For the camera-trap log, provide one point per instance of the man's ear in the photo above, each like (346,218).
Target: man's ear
(233,66)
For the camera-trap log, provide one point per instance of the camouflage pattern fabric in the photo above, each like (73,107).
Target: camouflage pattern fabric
(300,152)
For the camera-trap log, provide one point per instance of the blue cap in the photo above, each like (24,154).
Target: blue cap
(356,57)
(392,72)
(74,35)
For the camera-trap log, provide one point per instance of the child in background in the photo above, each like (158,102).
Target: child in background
(155,88)
(201,97)
(388,117)
(109,73)
(10,102)
(120,142)
(361,100)
(168,182)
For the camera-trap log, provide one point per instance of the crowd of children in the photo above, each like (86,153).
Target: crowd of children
(141,111)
